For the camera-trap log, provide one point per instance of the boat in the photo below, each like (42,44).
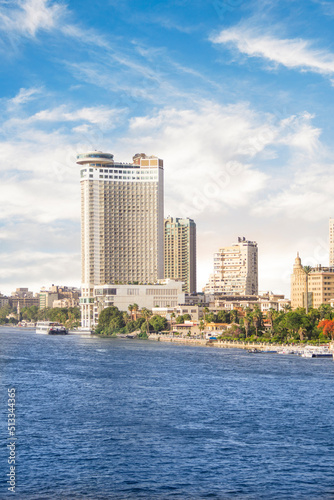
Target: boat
(317,352)
(50,328)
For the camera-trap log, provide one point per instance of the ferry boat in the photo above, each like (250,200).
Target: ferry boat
(50,328)
(317,352)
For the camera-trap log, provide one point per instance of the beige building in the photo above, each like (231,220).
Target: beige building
(56,295)
(320,285)
(235,270)
(180,251)
(122,218)
(22,297)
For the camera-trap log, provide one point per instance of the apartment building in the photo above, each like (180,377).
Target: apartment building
(235,270)
(180,251)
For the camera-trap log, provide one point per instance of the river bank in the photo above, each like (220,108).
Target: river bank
(230,344)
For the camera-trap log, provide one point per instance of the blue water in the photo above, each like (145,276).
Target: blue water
(128,419)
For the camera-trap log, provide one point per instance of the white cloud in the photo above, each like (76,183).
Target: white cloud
(293,53)
(218,170)
(101,116)
(24,96)
(30,16)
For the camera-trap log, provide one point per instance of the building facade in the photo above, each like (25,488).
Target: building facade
(180,251)
(319,287)
(164,293)
(235,270)
(22,297)
(122,218)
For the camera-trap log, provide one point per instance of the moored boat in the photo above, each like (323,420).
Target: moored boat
(50,328)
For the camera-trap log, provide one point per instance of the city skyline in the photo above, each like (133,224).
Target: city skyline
(235,97)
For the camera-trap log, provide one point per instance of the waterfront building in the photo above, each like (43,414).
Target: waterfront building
(319,286)
(122,218)
(195,312)
(22,297)
(235,270)
(236,302)
(59,296)
(4,301)
(165,293)
(180,251)
(331,242)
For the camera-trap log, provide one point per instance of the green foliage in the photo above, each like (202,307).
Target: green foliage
(111,320)
(158,323)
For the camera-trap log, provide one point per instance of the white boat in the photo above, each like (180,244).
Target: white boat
(50,328)
(317,352)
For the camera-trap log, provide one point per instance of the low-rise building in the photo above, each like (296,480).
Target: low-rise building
(63,296)
(166,294)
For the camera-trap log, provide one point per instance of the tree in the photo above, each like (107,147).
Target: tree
(327,327)
(326,311)
(158,322)
(179,320)
(135,309)
(247,320)
(223,317)
(146,314)
(201,327)
(257,318)
(110,319)
(234,316)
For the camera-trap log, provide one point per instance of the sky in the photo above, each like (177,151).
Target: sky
(235,96)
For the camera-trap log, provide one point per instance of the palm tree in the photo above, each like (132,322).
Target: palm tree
(146,314)
(135,309)
(130,307)
(307,270)
(247,320)
(234,316)
(201,327)
(256,317)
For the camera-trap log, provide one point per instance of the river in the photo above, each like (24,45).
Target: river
(126,419)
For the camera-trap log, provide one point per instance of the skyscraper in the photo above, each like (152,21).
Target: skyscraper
(121,223)
(331,242)
(180,251)
(235,270)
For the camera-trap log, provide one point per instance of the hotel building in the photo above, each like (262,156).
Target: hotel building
(121,223)
(180,251)
(320,285)
(235,270)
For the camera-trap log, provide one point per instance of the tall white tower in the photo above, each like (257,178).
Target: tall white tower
(122,223)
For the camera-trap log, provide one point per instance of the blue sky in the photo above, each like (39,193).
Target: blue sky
(236,97)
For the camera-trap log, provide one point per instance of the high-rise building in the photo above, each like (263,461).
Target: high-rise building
(319,286)
(180,251)
(331,242)
(121,223)
(235,270)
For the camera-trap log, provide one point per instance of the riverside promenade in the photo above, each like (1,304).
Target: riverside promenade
(226,344)
(231,344)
